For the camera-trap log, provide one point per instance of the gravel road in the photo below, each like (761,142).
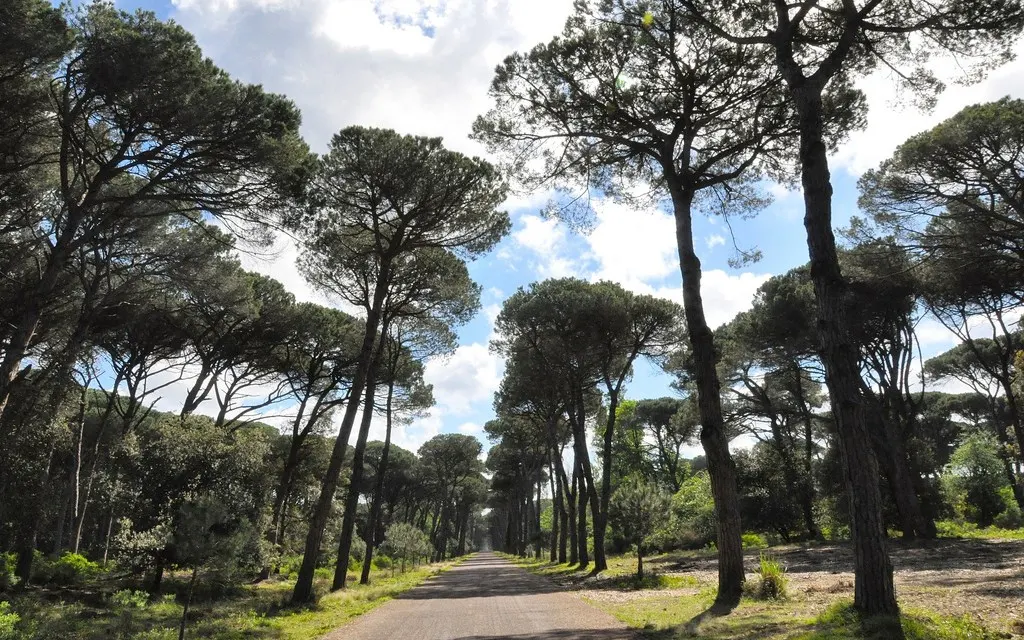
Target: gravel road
(484,598)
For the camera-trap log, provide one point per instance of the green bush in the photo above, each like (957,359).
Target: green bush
(694,507)
(8,620)
(8,562)
(126,603)
(70,569)
(974,479)
(1011,517)
(754,541)
(383,562)
(773,580)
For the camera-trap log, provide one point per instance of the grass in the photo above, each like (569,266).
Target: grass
(259,611)
(952,529)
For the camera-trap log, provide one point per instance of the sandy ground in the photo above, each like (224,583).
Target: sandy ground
(983,579)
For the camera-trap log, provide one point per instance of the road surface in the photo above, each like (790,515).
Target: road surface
(484,598)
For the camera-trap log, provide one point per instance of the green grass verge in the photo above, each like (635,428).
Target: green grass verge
(259,611)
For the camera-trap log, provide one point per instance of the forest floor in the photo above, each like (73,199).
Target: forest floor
(948,588)
(251,611)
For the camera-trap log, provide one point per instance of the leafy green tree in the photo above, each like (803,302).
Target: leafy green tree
(820,49)
(637,507)
(387,206)
(955,190)
(448,461)
(988,368)
(632,97)
(406,543)
(591,334)
(974,477)
(145,126)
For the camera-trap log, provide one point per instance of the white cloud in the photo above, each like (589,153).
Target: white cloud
(418,66)
(469,376)
(724,294)
(890,121)
(632,247)
(546,240)
(713,241)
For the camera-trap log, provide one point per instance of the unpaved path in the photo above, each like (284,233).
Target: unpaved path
(484,598)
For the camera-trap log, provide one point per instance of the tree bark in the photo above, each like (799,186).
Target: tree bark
(573,529)
(582,555)
(721,469)
(348,522)
(303,591)
(874,591)
(378,489)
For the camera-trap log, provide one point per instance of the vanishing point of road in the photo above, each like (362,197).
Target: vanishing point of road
(484,598)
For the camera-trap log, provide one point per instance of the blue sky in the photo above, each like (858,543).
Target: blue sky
(423,67)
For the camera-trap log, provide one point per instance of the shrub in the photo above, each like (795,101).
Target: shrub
(694,507)
(72,569)
(1011,517)
(8,620)
(382,562)
(7,566)
(126,603)
(754,541)
(773,580)
(974,478)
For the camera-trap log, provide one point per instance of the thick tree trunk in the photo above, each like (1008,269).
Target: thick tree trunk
(709,402)
(303,591)
(874,592)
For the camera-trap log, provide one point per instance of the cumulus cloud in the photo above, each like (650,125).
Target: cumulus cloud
(713,241)
(418,66)
(891,119)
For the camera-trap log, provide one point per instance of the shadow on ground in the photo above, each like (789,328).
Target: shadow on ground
(496,578)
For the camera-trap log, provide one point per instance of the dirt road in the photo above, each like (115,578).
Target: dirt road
(484,598)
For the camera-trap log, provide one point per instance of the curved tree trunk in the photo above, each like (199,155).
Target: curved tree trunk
(348,522)
(709,402)
(303,591)
(874,591)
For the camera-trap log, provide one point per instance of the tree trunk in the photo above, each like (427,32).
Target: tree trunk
(303,591)
(378,489)
(892,457)
(348,522)
(874,592)
(573,528)
(188,603)
(556,508)
(721,469)
(582,554)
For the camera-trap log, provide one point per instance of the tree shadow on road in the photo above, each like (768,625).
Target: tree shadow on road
(565,634)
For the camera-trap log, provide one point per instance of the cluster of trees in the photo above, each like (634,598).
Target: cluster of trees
(132,174)
(692,105)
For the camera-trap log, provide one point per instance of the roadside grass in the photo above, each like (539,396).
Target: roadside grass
(796,616)
(952,529)
(256,611)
